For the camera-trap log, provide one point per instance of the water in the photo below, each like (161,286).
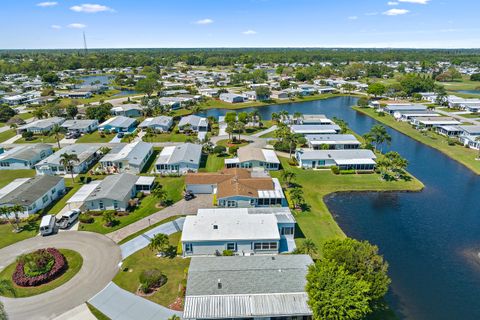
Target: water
(469,91)
(106,81)
(430,238)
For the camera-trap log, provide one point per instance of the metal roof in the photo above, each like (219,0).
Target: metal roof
(79,124)
(27,152)
(315,128)
(349,154)
(193,120)
(134,152)
(115,187)
(83,152)
(331,138)
(186,152)
(119,122)
(157,121)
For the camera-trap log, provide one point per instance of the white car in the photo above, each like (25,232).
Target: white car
(68,219)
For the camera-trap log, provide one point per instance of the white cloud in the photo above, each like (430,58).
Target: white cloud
(352,18)
(90,8)
(204,21)
(249,32)
(396,12)
(47,4)
(55,26)
(76,26)
(415,1)
(392,3)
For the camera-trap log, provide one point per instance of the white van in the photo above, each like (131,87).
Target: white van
(68,219)
(47,225)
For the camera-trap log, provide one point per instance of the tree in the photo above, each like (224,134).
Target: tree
(159,243)
(230,129)
(377,89)
(6,287)
(67,160)
(348,87)
(411,83)
(263,93)
(335,294)
(296,196)
(219,149)
(50,77)
(161,194)
(362,102)
(288,177)
(309,247)
(361,259)
(56,130)
(174,317)
(108,218)
(275,117)
(230,116)
(342,124)
(15,209)
(6,113)
(378,135)
(392,164)
(71,111)
(475,77)
(147,85)
(100,112)
(442,96)
(39,113)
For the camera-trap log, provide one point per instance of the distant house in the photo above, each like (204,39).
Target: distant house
(249,287)
(179,159)
(195,123)
(82,126)
(41,126)
(118,124)
(238,188)
(127,110)
(332,141)
(312,119)
(24,157)
(408,115)
(75,94)
(87,155)
(252,157)
(158,124)
(279,95)
(33,194)
(130,158)
(315,129)
(209,92)
(112,193)
(231,97)
(429,122)
(392,108)
(354,159)
(469,136)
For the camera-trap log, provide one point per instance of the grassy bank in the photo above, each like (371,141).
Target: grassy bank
(317,222)
(459,153)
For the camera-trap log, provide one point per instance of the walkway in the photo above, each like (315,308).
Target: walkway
(101,258)
(79,313)
(261,133)
(119,304)
(179,208)
(140,242)
(12,139)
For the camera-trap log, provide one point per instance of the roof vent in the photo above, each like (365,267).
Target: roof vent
(215,227)
(219,284)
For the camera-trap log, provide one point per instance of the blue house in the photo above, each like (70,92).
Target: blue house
(118,124)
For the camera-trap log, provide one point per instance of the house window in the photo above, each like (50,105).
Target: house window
(260,246)
(232,246)
(115,205)
(100,205)
(188,247)
(287,231)
(5,164)
(45,198)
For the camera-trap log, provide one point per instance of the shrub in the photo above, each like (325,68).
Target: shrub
(219,149)
(140,195)
(85,218)
(233,150)
(227,253)
(335,170)
(150,279)
(346,171)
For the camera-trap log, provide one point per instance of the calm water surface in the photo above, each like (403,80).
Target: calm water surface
(431,239)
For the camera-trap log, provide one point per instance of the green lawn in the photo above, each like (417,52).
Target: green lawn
(97,313)
(8,237)
(226,143)
(41,139)
(136,234)
(459,153)
(168,137)
(470,115)
(174,187)
(74,260)
(266,124)
(317,223)
(213,163)
(95,137)
(25,116)
(63,201)
(145,259)
(5,135)
(7,176)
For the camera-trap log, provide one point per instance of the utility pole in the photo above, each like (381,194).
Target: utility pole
(85,44)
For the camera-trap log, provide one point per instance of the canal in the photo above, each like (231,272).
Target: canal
(431,239)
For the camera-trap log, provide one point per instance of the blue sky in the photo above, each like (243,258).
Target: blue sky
(239,23)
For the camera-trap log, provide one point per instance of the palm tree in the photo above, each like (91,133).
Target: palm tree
(39,113)
(67,160)
(230,129)
(159,243)
(240,128)
(5,213)
(288,177)
(160,194)
(56,130)
(275,117)
(297,115)
(296,196)
(379,136)
(309,247)
(6,286)
(174,317)
(15,209)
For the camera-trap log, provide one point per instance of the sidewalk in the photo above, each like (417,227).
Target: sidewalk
(12,139)
(261,133)
(79,313)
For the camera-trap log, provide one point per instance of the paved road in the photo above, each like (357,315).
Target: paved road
(101,258)
(101,144)
(179,208)
(458,117)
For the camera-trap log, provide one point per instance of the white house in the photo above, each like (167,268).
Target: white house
(127,158)
(195,123)
(315,129)
(353,159)
(332,141)
(179,159)
(158,124)
(127,110)
(231,97)
(24,157)
(82,126)
(41,126)
(87,154)
(252,157)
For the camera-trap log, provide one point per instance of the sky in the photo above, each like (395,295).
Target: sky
(26,24)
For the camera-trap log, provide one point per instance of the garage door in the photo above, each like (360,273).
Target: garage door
(200,188)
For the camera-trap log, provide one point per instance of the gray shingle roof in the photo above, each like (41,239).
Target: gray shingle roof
(119,122)
(30,191)
(157,121)
(25,153)
(78,124)
(83,152)
(115,187)
(187,152)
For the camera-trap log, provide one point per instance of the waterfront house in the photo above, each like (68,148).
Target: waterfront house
(193,123)
(401,107)
(332,141)
(118,124)
(353,159)
(247,287)
(33,194)
(315,129)
(432,122)
(231,97)
(158,124)
(82,126)
(469,136)
(179,159)
(41,126)
(281,95)
(127,110)
(87,155)
(237,187)
(24,157)
(253,157)
(130,158)
(408,115)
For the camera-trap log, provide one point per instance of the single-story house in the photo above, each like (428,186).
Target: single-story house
(237,187)
(82,126)
(195,123)
(24,157)
(118,124)
(248,287)
(354,159)
(281,95)
(332,141)
(158,124)
(431,122)
(33,194)
(392,108)
(209,92)
(130,158)
(305,129)
(239,230)
(231,97)
(311,119)
(470,136)
(449,131)
(408,115)
(127,110)
(179,159)
(41,126)
(87,155)
(252,157)
(75,94)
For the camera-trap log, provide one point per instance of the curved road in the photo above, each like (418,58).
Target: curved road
(101,258)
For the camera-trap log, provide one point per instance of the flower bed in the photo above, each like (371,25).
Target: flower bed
(57,269)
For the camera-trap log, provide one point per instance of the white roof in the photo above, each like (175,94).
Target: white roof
(354,161)
(145,180)
(82,194)
(277,192)
(12,186)
(229,226)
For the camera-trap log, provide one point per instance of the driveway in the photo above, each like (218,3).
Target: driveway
(119,304)
(101,259)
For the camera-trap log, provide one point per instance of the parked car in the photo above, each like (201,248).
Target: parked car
(68,219)
(189,195)
(47,225)
(73,135)
(120,135)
